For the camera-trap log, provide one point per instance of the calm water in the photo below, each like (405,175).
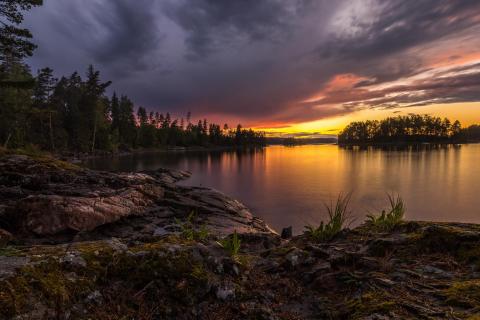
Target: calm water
(289,185)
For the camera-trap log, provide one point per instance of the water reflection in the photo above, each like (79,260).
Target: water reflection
(289,185)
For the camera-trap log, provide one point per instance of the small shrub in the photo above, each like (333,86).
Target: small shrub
(337,214)
(189,231)
(388,221)
(231,244)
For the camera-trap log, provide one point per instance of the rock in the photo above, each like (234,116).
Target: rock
(225,292)
(287,233)
(52,214)
(380,246)
(5,237)
(321,266)
(230,266)
(295,257)
(370,263)
(259,240)
(377,316)
(262,313)
(318,251)
(8,265)
(94,297)
(73,260)
(437,272)
(325,281)
(385,282)
(57,200)
(338,257)
(162,231)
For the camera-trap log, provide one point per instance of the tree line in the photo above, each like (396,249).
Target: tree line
(413,128)
(74,113)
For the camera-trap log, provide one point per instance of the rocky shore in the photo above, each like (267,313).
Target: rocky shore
(83,244)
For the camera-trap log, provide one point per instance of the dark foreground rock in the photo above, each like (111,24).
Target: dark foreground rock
(79,244)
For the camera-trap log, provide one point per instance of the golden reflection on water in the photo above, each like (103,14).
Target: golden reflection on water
(289,185)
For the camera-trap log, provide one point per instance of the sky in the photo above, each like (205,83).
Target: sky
(289,67)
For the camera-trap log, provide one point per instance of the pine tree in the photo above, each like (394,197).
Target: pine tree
(44,86)
(14,41)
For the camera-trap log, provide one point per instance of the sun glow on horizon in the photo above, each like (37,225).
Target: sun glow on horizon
(466,113)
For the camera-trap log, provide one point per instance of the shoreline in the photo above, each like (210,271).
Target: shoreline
(107,154)
(74,243)
(405,144)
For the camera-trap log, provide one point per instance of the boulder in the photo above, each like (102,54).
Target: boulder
(52,214)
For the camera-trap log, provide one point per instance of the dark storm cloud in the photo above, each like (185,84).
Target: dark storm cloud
(258,60)
(403,24)
(211,23)
(116,36)
(135,23)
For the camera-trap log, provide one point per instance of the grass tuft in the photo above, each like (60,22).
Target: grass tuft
(189,231)
(337,215)
(388,221)
(231,244)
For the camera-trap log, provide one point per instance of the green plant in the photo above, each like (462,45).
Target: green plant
(388,221)
(189,231)
(337,215)
(231,244)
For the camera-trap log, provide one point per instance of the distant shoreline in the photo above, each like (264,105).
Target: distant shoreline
(403,144)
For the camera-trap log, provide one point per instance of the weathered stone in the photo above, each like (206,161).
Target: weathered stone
(5,237)
(380,246)
(8,265)
(47,215)
(74,260)
(437,272)
(225,292)
(295,257)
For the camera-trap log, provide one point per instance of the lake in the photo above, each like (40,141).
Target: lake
(288,186)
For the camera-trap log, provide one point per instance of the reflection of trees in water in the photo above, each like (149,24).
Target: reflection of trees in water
(192,160)
(403,147)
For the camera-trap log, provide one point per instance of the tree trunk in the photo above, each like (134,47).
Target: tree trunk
(94,133)
(52,143)
(5,145)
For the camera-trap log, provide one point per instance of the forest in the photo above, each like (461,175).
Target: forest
(413,128)
(74,113)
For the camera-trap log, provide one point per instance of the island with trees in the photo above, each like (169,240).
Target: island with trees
(409,129)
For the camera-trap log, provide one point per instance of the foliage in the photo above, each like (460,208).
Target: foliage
(231,244)
(74,114)
(472,133)
(411,128)
(388,221)
(14,41)
(189,231)
(337,214)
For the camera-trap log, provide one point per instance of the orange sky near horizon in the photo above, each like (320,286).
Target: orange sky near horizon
(466,113)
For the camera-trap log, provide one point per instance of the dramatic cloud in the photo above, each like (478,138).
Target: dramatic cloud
(268,62)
